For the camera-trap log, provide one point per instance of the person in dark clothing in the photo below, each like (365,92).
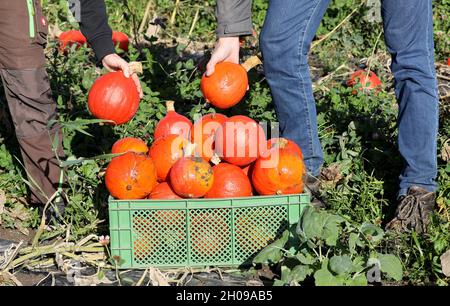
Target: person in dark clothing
(286,37)
(23,36)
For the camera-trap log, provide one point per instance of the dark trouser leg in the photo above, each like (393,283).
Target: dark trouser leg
(408,27)
(31,105)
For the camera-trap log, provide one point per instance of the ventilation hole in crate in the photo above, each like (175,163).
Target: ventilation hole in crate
(255,228)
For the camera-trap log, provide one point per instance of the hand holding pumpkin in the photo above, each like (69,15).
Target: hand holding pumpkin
(226,50)
(113,62)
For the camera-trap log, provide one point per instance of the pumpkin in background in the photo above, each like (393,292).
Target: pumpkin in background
(191,177)
(173,123)
(113,97)
(120,39)
(286,144)
(228,84)
(129,144)
(252,232)
(71,37)
(280,172)
(366,81)
(130,176)
(202,134)
(163,192)
(240,140)
(165,151)
(229,182)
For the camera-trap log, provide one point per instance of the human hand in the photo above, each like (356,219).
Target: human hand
(226,50)
(113,62)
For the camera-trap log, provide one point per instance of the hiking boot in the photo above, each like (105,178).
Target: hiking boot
(312,187)
(413,211)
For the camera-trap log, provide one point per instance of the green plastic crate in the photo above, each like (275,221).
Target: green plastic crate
(198,232)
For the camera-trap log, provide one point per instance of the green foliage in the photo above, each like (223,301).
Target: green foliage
(331,251)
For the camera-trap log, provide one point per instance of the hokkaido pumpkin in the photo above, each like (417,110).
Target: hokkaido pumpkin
(120,39)
(285,144)
(240,140)
(165,151)
(280,172)
(173,123)
(71,37)
(367,82)
(229,182)
(129,144)
(113,97)
(191,177)
(163,192)
(228,84)
(130,176)
(202,134)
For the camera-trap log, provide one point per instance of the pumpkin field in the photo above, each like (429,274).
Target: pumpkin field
(170,43)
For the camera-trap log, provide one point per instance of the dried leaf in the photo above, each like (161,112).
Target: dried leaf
(157,278)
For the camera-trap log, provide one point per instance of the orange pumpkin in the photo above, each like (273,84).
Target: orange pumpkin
(113,97)
(229,182)
(173,123)
(129,144)
(367,82)
(191,177)
(240,140)
(228,84)
(165,151)
(285,144)
(202,134)
(163,192)
(71,37)
(280,172)
(120,39)
(130,176)
(144,245)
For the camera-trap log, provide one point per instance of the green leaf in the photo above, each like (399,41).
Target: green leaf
(372,232)
(357,280)
(300,272)
(319,225)
(306,259)
(352,239)
(323,277)
(391,265)
(273,252)
(341,264)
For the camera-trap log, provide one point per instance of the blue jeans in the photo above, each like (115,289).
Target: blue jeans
(286,37)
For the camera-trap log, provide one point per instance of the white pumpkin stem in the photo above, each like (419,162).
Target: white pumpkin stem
(136,67)
(215,159)
(170,106)
(251,62)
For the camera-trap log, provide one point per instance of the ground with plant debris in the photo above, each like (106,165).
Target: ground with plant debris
(173,39)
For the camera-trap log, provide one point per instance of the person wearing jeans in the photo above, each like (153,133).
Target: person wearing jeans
(286,37)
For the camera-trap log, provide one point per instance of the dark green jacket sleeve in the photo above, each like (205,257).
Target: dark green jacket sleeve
(93,20)
(234,18)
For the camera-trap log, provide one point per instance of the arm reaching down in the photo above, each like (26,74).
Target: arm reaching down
(234,19)
(93,20)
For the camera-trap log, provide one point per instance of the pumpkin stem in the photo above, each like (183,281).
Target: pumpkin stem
(170,106)
(189,149)
(251,62)
(136,67)
(282,143)
(215,159)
